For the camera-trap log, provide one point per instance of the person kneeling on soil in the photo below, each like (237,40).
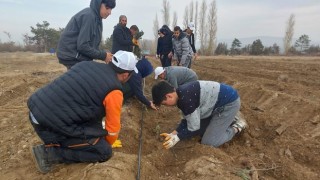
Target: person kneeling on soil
(67,113)
(175,75)
(134,86)
(209,109)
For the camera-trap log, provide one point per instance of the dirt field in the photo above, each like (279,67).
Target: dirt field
(280,100)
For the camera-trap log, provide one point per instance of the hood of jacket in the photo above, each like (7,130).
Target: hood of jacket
(181,35)
(95,7)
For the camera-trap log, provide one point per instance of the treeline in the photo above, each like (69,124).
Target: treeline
(301,47)
(42,39)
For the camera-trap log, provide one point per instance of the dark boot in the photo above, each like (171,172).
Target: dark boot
(40,157)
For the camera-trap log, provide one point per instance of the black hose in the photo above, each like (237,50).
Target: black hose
(140,139)
(140,143)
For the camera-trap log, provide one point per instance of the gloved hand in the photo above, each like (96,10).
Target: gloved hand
(170,140)
(135,41)
(117,144)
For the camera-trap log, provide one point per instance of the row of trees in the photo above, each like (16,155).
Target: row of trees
(301,46)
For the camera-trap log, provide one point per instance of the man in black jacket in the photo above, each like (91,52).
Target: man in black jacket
(67,113)
(122,37)
(81,37)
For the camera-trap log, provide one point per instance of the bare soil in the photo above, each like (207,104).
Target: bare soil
(280,100)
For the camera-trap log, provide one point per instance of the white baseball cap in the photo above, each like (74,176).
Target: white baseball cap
(125,60)
(158,71)
(191,26)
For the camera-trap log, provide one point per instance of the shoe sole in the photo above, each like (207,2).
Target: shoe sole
(34,158)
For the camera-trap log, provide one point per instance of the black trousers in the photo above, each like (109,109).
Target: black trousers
(165,60)
(64,149)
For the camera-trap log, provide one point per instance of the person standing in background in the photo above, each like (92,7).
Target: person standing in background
(191,38)
(164,47)
(81,37)
(122,38)
(182,50)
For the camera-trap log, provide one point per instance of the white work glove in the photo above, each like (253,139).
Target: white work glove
(170,140)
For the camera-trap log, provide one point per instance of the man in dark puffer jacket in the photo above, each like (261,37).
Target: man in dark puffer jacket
(67,113)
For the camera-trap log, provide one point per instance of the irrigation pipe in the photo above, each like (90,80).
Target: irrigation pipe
(140,136)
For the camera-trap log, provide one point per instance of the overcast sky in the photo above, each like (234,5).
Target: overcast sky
(236,18)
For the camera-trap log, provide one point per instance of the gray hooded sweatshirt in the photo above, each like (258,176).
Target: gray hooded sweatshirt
(81,37)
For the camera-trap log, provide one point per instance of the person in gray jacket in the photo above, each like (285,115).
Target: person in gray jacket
(209,110)
(81,37)
(182,50)
(175,75)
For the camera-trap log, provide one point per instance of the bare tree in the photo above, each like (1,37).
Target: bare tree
(8,34)
(202,26)
(196,21)
(155,33)
(287,40)
(212,28)
(175,19)
(166,12)
(191,11)
(186,17)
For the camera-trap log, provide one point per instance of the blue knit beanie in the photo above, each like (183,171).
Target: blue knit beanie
(144,67)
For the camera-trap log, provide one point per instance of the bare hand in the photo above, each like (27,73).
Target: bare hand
(108,57)
(153,106)
(195,56)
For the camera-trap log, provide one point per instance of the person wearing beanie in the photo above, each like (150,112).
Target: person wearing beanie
(175,75)
(67,113)
(209,110)
(134,87)
(80,39)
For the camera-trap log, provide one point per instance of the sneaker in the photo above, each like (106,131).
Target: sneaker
(39,155)
(240,124)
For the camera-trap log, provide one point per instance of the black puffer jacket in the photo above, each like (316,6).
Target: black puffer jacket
(164,43)
(73,103)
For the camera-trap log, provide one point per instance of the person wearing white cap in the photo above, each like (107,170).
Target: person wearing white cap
(175,75)
(67,113)
(190,35)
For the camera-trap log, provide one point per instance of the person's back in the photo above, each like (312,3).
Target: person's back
(81,37)
(77,84)
(177,75)
(67,113)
